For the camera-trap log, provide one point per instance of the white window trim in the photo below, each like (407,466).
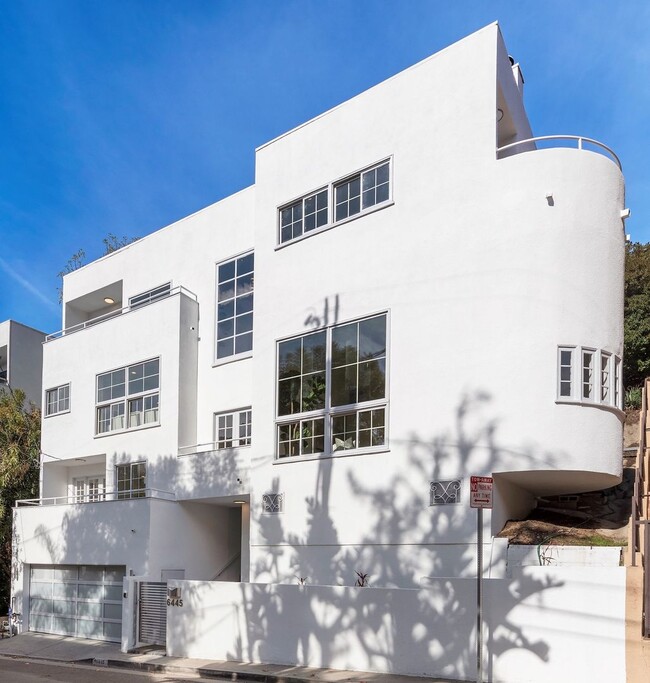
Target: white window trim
(235,356)
(329,411)
(614,394)
(126,399)
(57,411)
(331,218)
(235,415)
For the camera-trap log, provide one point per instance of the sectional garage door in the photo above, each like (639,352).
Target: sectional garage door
(83,601)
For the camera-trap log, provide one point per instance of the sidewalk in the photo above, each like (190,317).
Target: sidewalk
(99,653)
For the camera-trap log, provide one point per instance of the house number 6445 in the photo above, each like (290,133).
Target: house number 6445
(174,602)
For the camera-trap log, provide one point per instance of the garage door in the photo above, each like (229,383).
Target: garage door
(83,601)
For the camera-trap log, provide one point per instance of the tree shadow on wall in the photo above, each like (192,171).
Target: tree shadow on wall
(439,629)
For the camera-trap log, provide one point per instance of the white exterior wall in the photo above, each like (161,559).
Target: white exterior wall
(21,355)
(535,623)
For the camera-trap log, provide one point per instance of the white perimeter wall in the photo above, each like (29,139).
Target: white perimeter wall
(542,624)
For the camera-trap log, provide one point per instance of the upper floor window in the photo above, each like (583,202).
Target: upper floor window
(235,279)
(353,195)
(589,376)
(331,389)
(233,429)
(150,295)
(128,397)
(131,480)
(57,400)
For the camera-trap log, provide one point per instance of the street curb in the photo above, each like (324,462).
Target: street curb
(206,673)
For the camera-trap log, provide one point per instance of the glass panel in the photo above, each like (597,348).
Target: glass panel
(63,624)
(40,622)
(245,264)
(344,345)
(41,590)
(565,374)
(226,271)
(313,352)
(65,573)
(89,592)
(90,573)
(225,348)
(226,310)
(64,607)
(289,357)
(114,574)
(112,611)
(244,343)
(111,630)
(372,338)
(313,392)
(372,380)
(41,573)
(344,385)
(89,609)
(40,605)
(289,396)
(244,323)
(226,290)
(245,284)
(244,304)
(88,628)
(65,590)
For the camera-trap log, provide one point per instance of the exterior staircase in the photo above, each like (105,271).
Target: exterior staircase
(638,557)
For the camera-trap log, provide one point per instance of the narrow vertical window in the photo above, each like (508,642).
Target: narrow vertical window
(588,375)
(617,382)
(566,372)
(605,377)
(235,306)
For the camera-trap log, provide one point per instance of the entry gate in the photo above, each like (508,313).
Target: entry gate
(152,613)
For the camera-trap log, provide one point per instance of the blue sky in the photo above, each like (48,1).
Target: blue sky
(124,116)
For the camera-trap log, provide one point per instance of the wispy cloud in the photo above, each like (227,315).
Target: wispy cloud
(26,284)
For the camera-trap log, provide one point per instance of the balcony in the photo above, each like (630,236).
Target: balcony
(99,497)
(554,141)
(136,303)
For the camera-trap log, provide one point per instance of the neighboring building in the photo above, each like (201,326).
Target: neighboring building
(299,380)
(21,359)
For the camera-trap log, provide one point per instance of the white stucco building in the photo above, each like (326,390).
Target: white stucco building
(297,382)
(21,357)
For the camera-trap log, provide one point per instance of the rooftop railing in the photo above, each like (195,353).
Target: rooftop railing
(533,144)
(122,311)
(98,497)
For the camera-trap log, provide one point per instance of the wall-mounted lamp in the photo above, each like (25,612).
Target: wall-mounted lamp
(625,213)
(109,300)
(549,199)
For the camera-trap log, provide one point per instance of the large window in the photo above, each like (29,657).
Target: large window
(587,375)
(233,429)
(353,195)
(57,400)
(89,489)
(331,389)
(235,306)
(128,397)
(131,480)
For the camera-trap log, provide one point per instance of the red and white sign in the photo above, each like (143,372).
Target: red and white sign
(480,492)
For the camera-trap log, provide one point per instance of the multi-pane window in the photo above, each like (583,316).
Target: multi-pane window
(131,480)
(233,429)
(605,376)
(566,372)
(235,306)
(57,400)
(589,375)
(89,489)
(362,191)
(128,397)
(150,295)
(304,215)
(332,389)
(351,196)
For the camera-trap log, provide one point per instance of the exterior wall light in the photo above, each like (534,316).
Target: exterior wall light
(625,213)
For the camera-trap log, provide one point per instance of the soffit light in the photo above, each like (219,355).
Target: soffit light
(109,300)
(239,502)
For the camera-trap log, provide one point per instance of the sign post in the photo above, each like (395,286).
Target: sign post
(480,497)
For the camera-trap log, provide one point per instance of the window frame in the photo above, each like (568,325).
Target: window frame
(606,391)
(236,415)
(58,411)
(329,412)
(234,356)
(124,402)
(131,492)
(331,188)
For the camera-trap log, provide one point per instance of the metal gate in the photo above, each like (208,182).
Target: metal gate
(152,613)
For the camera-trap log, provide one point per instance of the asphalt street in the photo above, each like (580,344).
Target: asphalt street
(14,670)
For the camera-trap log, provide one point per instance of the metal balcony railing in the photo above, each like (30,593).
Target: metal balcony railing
(98,497)
(122,311)
(532,144)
